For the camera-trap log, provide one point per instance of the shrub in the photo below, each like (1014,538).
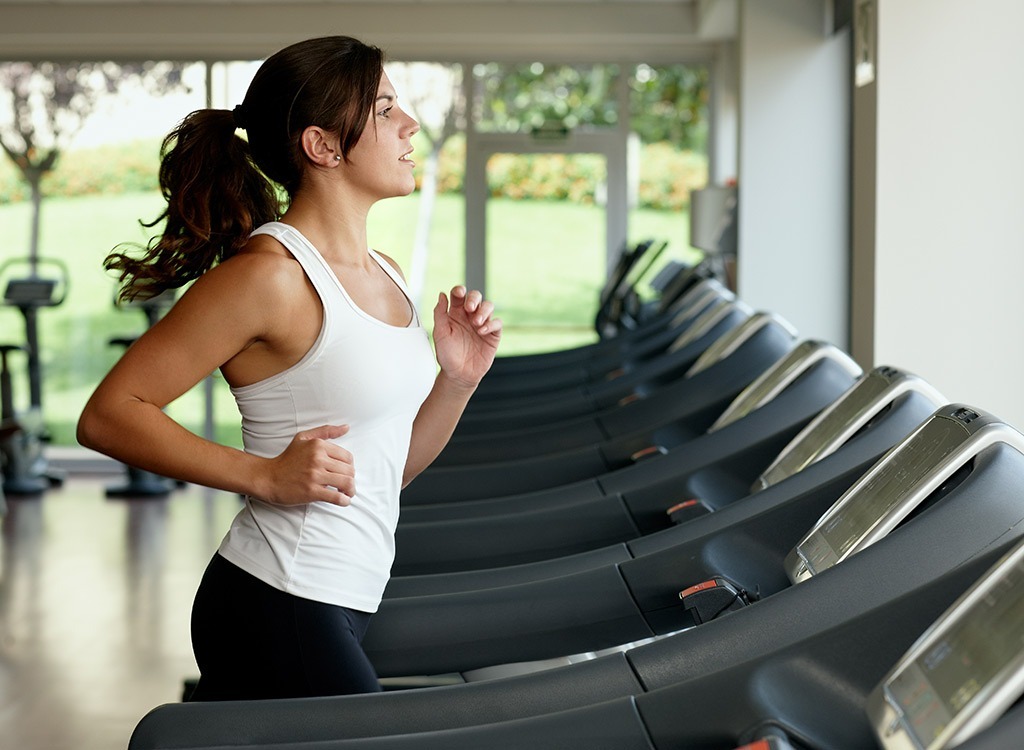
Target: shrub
(667,175)
(104,170)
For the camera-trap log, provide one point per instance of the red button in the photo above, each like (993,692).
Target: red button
(698,587)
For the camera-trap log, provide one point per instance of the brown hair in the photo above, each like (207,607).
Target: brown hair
(216,183)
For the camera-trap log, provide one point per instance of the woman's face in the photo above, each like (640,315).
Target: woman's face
(379,163)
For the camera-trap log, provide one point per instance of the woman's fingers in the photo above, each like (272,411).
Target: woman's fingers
(313,467)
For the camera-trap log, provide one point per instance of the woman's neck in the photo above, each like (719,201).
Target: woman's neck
(335,225)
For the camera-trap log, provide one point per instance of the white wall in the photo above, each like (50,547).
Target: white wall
(950,198)
(793,166)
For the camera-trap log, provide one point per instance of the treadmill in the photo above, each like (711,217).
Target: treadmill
(799,665)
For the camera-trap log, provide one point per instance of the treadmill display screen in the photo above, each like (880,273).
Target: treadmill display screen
(837,424)
(882,492)
(966,654)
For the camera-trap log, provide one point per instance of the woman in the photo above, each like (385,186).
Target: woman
(342,403)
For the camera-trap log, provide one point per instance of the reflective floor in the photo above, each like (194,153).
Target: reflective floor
(95,596)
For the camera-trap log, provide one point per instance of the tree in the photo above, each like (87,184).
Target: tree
(669,103)
(527,98)
(47,103)
(433,94)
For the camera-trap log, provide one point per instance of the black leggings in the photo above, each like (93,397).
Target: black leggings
(252,641)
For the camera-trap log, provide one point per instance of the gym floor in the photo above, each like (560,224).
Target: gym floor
(95,595)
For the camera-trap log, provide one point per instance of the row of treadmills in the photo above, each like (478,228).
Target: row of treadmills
(700,532)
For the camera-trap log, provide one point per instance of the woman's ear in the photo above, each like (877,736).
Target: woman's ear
(320,147)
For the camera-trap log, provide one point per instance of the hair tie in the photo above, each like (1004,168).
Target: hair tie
(238,114)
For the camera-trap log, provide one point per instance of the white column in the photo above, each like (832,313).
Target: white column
(949,242)
(793,256)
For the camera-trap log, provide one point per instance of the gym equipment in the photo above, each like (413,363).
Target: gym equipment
(884,404)
(799,663)
(596,360)
(465,621)
(139,482)
(511,411)
(676,293)
(964,671)
(655,355)
(691,403)
(619,311)
(30,284)
(783,398)
(606,320)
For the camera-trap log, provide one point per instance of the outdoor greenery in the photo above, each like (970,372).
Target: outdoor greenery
(667,175)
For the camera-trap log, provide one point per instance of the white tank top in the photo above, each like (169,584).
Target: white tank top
(361,372)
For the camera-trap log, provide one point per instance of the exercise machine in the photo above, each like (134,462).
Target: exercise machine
(30,285)
(797,666)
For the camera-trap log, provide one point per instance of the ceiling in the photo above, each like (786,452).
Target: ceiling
(551,30)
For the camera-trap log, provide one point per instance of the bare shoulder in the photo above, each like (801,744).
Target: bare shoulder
(262,270)
(391,262)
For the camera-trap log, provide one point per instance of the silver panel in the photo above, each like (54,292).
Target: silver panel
(828,431)
(963,672)
(706,321)
(696,299)
(777,378)
(734,338)
(903,478)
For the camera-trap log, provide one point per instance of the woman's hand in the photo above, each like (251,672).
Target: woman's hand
(465,335)
(311,468)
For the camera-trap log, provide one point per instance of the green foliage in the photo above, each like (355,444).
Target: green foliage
(667,175)
(670,104)
(105,170)
(524,97)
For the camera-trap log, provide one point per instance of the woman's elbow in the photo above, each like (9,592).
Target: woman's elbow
(88,429)
(94,428)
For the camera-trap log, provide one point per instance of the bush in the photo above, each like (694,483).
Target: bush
(105,170)
(667,175)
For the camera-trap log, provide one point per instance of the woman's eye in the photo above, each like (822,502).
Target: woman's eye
(385,112)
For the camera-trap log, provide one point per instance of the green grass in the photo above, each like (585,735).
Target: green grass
(545,266)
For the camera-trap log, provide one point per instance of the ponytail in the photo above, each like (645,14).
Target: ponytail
(218,186)
(215,198)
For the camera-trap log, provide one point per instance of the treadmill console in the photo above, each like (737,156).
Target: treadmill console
(731,340)
(834,426)
(901,480)
(697,299)
(963,672)
(707,320)
(33,291)
(779,376)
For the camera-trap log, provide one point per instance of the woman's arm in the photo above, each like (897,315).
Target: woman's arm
(466,338)
(224,314)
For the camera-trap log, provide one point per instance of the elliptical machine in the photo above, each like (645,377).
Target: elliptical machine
(30,284)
